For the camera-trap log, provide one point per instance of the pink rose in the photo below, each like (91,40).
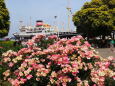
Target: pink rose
(29,77)
(23,80)
(10,64)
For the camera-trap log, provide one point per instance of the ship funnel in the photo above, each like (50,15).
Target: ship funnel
(39,23)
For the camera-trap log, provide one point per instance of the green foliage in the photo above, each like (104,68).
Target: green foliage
(5,83)
(96,18)
(4,19)
(8,45)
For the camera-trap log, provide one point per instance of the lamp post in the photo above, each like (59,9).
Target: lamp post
(57,30)
(69,14)
(69,19)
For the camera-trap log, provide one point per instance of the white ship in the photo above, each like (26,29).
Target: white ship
(27,32)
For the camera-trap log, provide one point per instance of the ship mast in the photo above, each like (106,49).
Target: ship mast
(30,21)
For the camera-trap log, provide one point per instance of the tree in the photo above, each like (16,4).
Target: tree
(4,19)
(96,18)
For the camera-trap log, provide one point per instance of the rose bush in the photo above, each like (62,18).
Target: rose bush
(50,61)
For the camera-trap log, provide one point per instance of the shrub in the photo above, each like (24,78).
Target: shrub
(50,61)
(6,45)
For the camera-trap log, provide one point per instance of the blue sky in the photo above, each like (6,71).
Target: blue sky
(23,10)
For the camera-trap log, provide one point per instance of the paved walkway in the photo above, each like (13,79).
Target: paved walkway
(106,52)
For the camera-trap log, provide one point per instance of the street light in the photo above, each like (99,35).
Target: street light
(56,27)
(69,14)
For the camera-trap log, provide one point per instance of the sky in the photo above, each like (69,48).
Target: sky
(29,11)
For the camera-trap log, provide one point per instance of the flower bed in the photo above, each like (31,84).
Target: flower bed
(50,61)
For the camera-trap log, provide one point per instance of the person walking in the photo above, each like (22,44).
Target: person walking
(112,45)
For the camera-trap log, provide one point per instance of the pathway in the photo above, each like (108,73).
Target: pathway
(105,52)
